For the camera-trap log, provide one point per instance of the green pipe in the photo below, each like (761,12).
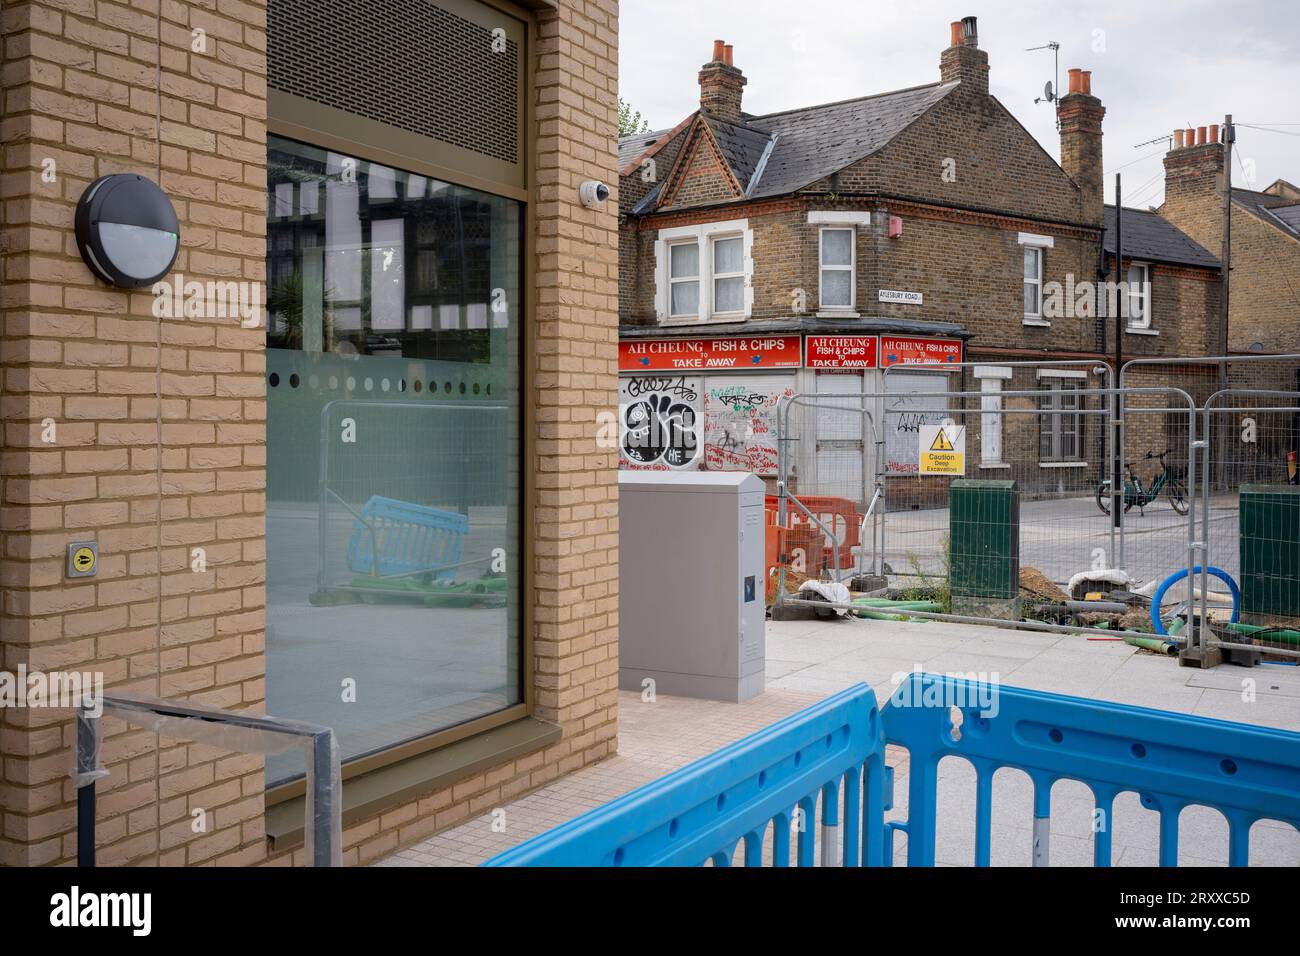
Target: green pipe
(1151,643)
(932,606)
(879,615)
(1281,636)
(891,612)
(886,602)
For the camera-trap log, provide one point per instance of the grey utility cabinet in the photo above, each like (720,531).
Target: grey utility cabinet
(691,587)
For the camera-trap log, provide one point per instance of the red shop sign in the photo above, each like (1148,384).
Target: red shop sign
(665,355)
(908,351)
(840,351)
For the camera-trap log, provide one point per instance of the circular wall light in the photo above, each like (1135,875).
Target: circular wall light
(127,230)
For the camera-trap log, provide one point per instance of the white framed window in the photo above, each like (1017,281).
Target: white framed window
(704,273)
(837,259)
(1034,247)
(837,265)
(728,274)
(1033,283)
(683,280)
(1139,296)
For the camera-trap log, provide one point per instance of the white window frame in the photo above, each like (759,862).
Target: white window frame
(1041,244)
(1033,318)
(851,269)
(839,219)
(1143,325)
(699,298)
(715,276)
(703,236)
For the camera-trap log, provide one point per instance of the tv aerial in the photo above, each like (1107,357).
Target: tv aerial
(1052,88)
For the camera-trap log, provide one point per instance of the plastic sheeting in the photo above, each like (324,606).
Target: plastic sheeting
(830,590)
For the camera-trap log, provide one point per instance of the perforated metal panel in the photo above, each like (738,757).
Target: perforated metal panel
(405,63)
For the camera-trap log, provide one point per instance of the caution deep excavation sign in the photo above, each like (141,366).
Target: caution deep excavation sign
(943,449)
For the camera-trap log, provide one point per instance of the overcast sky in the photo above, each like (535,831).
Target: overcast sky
(1155,66)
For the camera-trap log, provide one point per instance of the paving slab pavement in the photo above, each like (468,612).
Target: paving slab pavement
(809,660)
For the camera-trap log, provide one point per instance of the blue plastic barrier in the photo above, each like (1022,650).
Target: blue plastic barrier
(704,810)
(408,538)
(1172,761)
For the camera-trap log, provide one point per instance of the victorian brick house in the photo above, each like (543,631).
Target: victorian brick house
(807,251)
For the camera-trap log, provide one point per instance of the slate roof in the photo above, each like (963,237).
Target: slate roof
(742,146)
(816,141)
(1148,235)
(1289,215)
(1278,210)
(630,148)
(807,144)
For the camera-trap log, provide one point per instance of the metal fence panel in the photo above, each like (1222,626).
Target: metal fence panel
(1053,445)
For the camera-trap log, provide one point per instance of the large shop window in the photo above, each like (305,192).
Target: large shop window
(393,451)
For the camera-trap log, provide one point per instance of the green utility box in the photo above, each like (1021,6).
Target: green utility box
(984,548)
(1270,554)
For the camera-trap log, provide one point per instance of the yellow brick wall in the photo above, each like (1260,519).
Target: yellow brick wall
(160,424)
(147,413)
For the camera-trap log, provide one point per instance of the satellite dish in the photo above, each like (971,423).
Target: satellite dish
(1047,92)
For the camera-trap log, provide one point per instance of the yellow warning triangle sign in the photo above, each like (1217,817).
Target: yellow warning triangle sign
(941,442)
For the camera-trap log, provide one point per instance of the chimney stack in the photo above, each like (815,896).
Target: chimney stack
(964,62)
(1193,167)
(1080,114)
(721,84)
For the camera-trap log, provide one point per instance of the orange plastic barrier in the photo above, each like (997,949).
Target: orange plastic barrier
(839,514)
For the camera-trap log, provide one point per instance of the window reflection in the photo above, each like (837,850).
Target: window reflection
(392,450)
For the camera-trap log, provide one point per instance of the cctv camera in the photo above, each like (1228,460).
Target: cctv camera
(593,193)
